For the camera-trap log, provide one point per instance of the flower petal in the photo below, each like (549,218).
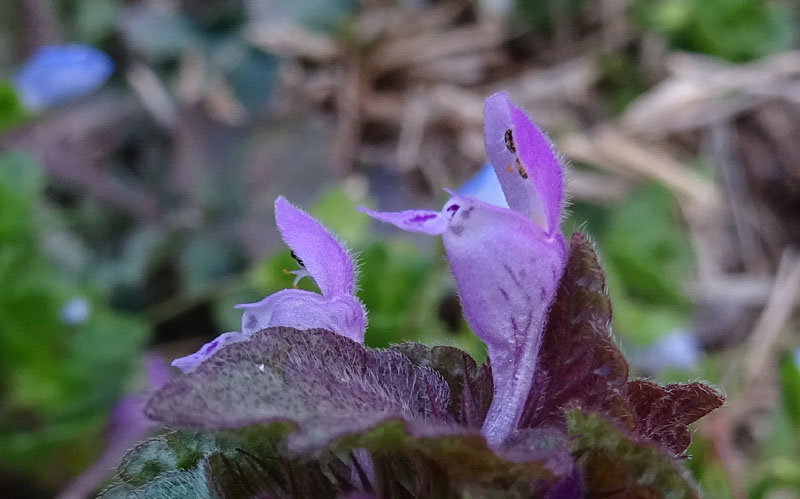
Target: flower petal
(301,309)
(207,350)
(507,271)
(424,221)
(524,161)
(325,258)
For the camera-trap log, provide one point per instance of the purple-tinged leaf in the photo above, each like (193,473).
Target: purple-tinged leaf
(568,487)
(549,445)
(579,363)
(470,385)
(581,366)
(614,465)
(325,384)
(662,412)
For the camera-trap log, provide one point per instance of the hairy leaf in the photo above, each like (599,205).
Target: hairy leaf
(470,385)
(324,383)
(662,412)
(174,484)
(615,466)
(579,363)
(581,366)
(388,463)
(146,461)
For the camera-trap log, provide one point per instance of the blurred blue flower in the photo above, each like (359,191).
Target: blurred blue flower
(485,186)
(57,73)
(678,349)
(75,311)
(797,358)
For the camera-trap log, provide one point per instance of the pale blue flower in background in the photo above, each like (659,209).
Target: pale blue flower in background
(58,73)
(678,349)
(797,358)
(485,186)
(75,311)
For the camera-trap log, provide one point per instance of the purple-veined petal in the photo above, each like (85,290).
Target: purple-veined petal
(485,186)
(302,309)
(525,163)
(424,221)
(57,73)
(507,271)
(207,350)
(325,258)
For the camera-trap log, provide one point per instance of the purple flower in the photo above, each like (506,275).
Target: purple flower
(320,257)
(507,262)
(57,73)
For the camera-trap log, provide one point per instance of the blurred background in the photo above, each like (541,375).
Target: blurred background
(142,144)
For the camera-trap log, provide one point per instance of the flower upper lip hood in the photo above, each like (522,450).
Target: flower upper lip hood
(507,262)
(321,257)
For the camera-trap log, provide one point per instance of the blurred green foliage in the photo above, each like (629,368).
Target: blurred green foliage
(11,111)
(647,258)
(778,470)
(545,14)
(59,375)
(737,30)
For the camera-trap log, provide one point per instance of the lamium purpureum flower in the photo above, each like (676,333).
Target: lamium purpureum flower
(507,262)
(320,257)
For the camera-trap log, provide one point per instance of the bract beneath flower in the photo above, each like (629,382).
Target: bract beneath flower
(323,259)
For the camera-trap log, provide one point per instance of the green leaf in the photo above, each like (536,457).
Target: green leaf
(790,388)
(648,248)
(146,461)
(21,182)
(12,112)
(190,484)
(737,30)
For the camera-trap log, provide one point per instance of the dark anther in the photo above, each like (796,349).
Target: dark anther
(297,259)
(510,142)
